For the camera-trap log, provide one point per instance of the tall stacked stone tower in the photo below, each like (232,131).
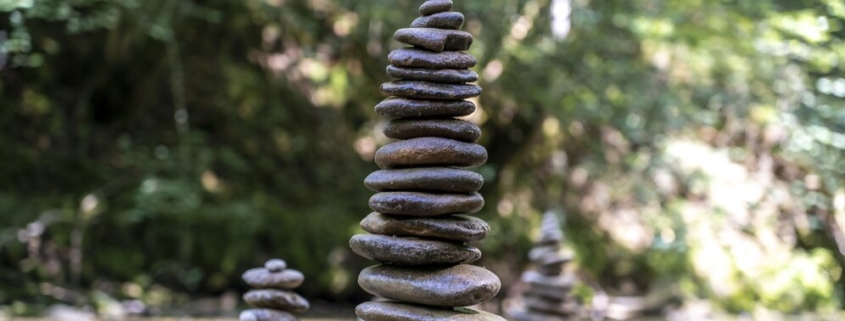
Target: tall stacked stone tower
(419,234)
(548,297)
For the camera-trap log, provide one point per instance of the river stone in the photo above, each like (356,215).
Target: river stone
(266,315)
(551,236)
(537,316)
(277,299)
(549,294)
(411,251)
(396,107)
(449,76)
(447,128)
(547,285)
(435,6)
(395,311)
(459,228)
(553,259)
(538,252)
(275,265)
(443,179)
(419,58)
(434,39)
(262,278)
(564,308)
(456,286)
(425,204)
(441,20)
(430,151)
(428,90)
(550,269)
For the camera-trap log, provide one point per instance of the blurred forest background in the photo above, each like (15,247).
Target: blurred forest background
(153,150)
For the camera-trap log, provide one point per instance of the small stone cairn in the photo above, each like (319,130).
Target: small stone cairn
(418,233)
(548,296)
(271,293)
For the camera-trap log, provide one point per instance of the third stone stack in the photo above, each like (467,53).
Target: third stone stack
(419,227)
(272,293)
(549,296)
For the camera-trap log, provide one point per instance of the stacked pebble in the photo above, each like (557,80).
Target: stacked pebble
(548,296)
(271,293)
(417,232)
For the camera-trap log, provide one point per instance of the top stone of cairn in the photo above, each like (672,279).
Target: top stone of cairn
(431,7)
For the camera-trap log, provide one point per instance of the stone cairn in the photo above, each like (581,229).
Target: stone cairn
(271,293)
(418,235)
(548,296)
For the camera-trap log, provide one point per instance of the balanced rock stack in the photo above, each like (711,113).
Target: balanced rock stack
(271,293)
(418,234)
(548,296)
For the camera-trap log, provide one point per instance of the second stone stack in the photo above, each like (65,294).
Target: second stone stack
(419,232)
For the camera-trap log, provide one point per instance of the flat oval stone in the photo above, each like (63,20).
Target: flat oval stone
(536,316)
(276,265)
(548,285)
(562,308)
(434,39)
(425,204)
(262,278)
(266,315)
(459,228)
(456,286)
(277,300)
(447,128)
(396,107)
(430,151)
(395,311)
(429,90)
(441,20)
(410,251)
(435,6)
(444,179)
(419,58)
(449,76)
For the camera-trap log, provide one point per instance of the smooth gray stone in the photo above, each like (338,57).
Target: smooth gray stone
(441,20)
(410,251)
(459,228)
(448,76)
(276,265)
(277,300)
(430,151)
(443,179)
(446,128)
(456,286)
(425,204)
(539,316)
(395,311)
(549,294)
(542,250)
(262,278)
(550,269)
(562,308)
(548,286)
(434,6)
(551,236)
(434,39)
(266,315)
(419,58)
(428,90)
(396,107)
(553,258)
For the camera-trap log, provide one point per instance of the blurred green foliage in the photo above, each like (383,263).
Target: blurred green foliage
(163,146)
